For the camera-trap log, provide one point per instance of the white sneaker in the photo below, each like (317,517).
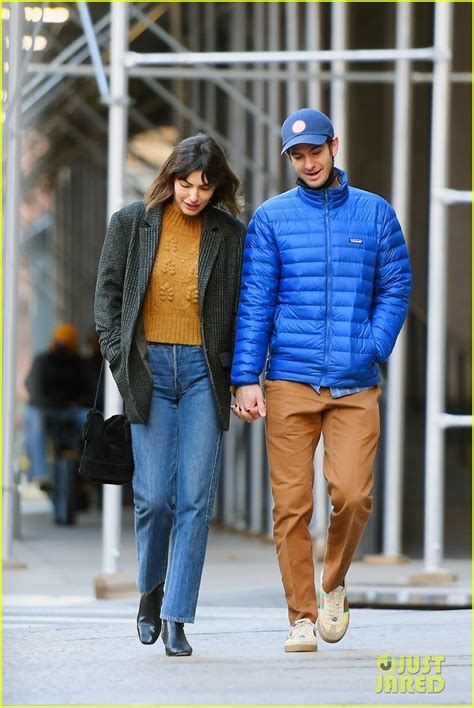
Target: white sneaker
(302,636)
(333,613)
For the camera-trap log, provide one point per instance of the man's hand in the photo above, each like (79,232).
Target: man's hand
(249,403)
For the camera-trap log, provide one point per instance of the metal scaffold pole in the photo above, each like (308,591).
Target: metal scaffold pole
(11,237)
(319,522)
(112,498)
(292,43)
(394,445)
(257,431)
(313,41)
(437,295)
(338,87)
(273,100)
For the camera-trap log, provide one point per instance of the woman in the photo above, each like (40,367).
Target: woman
(165,306)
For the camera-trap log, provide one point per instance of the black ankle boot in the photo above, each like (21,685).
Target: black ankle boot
(148,618)
(175,640)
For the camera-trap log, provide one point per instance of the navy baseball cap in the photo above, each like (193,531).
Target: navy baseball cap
(307,125)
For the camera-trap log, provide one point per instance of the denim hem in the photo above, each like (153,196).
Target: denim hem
(183,620)
(148,592)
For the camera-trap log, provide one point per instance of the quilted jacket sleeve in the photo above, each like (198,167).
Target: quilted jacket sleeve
(109,288)
(392,286)
(259,287)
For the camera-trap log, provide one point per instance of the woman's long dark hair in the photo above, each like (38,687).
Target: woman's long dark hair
(198,153)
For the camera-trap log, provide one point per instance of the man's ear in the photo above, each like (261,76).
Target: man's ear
(334,146)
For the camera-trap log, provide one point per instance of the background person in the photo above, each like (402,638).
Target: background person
(166,299)
(325,288)
(58,388)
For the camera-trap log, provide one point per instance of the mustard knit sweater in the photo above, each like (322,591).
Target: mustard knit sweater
(171,307)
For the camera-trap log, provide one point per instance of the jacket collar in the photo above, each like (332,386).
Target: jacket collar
(333,196)
(153,216)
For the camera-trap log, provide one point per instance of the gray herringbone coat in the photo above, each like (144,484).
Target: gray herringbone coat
(125,266)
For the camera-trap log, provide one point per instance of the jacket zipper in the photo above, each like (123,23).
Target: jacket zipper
(328,280)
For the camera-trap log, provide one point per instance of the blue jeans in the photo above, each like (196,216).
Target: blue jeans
(35,434)
(177,463)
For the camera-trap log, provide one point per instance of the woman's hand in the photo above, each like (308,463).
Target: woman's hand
(249,403)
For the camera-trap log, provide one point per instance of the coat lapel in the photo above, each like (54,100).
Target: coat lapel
(150,229)
(211,240)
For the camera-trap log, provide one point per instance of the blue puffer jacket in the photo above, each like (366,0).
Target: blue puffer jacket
(325,286)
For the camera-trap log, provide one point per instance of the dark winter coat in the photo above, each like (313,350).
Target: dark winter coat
(59,379)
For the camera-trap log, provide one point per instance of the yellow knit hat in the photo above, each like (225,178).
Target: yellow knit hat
(67,335)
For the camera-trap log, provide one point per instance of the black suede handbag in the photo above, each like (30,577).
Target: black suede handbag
(107,456)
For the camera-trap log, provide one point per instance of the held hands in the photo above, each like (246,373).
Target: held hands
(249,403)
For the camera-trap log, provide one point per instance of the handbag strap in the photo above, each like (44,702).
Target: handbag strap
(98,383)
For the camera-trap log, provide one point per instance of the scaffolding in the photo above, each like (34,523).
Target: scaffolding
(258,112)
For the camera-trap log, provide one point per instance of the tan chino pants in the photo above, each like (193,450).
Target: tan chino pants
(296,417)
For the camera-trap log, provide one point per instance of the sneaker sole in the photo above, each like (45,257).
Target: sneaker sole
(301,647)
(330,638)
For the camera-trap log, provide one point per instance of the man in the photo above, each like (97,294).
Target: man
(58,386)
(325,287)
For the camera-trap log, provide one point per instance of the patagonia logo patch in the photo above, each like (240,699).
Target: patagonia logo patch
(357,241)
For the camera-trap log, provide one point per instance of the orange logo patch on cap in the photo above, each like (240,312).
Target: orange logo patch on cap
(298,126)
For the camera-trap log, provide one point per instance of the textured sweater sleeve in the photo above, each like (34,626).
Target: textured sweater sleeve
(258,293)
(109,288)
(392,286)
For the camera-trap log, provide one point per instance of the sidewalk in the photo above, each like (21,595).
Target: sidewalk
(61,646)
(239,568)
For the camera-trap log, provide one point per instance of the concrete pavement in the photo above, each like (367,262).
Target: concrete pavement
(61,646)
